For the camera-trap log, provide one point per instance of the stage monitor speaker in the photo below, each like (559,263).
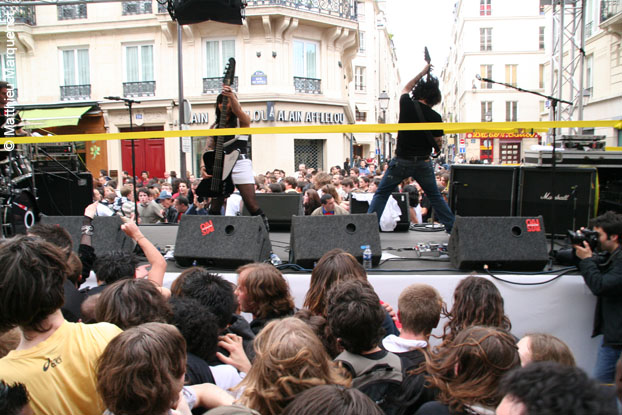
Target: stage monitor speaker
(502,243)
(476,190)
(279,208)
(221,241)
(63,193)
(107,233)
(196,11)
(361,206)
(574,196)
(313,236)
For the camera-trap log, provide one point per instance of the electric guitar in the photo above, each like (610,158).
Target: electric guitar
(218,164)
(428,134)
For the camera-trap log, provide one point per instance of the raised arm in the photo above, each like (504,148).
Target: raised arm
(154,257)
(245,120)
(411,84)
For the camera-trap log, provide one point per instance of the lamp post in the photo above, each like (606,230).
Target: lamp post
(383,101)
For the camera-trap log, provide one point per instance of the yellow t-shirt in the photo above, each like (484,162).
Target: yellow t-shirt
(60,371)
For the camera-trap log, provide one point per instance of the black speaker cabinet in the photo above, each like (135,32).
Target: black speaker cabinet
(64,193)
(476,190)
(107,233)
(279,208)
(359,207)
(221,241)
(313,236)
(502,243)
(574,196)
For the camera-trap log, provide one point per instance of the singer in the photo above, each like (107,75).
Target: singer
(412,154)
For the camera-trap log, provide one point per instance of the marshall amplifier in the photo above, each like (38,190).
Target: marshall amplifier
(574,196)
(476,190)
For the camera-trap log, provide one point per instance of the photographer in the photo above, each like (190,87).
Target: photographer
(605,281)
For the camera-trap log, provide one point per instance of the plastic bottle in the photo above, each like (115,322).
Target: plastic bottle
(275,260)
(366,256)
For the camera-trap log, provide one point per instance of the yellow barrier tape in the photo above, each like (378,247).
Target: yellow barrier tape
(448,128)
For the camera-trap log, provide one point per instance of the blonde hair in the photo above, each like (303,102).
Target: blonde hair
(290,358)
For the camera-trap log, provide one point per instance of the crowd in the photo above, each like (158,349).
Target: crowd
(131,346)
(165,200)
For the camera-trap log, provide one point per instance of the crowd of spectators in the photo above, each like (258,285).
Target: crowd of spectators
(140,348)
(166,199)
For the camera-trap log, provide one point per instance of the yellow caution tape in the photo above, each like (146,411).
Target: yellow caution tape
(448,128)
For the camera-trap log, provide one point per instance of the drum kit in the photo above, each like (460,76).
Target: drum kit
(18,207)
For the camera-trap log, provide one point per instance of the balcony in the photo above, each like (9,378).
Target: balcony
(136,7)
(75,92)
(71,11)
(214,85)
(22,14)
(611,14)
(308,85)
(344,9)
(139,89)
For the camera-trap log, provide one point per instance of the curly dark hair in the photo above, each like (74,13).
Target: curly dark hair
(321,329)
(31,282)
(114,266)
(54,234)
(129,303)
(355,315)
(550,388)
(13,398)
(477,302)
(268,292)
(332,399)
(211,290)
(427,89)
(468,370)
(610,222)
(198,326)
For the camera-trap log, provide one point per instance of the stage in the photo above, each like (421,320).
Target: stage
(534,302)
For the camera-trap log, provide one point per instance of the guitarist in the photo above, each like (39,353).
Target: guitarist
(242,173)
(412,154)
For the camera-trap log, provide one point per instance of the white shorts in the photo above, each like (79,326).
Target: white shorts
(242,172)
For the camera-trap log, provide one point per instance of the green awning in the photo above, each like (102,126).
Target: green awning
(52,117)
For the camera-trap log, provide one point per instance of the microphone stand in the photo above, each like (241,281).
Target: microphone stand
(128,103)
(554,101)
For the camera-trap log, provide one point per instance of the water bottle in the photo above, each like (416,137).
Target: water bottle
(275,260)
(366,256)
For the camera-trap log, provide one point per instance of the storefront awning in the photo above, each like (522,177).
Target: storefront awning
(52,117)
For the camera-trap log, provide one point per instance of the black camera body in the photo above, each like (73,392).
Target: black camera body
(586,235)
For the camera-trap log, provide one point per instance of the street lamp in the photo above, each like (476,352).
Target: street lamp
(383,101)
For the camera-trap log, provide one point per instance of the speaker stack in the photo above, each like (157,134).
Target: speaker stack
(279,208)
(63,193)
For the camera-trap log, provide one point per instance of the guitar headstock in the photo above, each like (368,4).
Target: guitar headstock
(229,73)
(426,55)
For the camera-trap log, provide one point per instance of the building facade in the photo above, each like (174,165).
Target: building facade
(294,68)
(503,41)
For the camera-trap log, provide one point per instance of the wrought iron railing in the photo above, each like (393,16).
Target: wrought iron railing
(609,8)
(75,92)
(308,85)
(71,11)
(21,14)
(136,7)
(345,9)
(214,85)
(139,89)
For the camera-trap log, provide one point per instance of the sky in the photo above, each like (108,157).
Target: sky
(416,24)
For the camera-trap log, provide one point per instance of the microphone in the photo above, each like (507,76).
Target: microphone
(114,98)
(479,78)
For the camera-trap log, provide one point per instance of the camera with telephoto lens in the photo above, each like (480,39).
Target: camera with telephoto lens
(585,235)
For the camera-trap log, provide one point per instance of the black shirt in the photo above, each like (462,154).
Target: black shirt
(415,143)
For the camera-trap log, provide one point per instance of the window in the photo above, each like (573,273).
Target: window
(541,76)
(359,78)
(484,7)
(541,38)
(7,69)
(360,116)
(139,63)
(360,10)
(589,75)
(511,110)
(542,107)
(309,152)
(509,153)
(485,71)
(305,59)
(136,7)
(485,38)
(71,11)
(486,111)
(510,74)
(361,42)
(75,67)
(217,54)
